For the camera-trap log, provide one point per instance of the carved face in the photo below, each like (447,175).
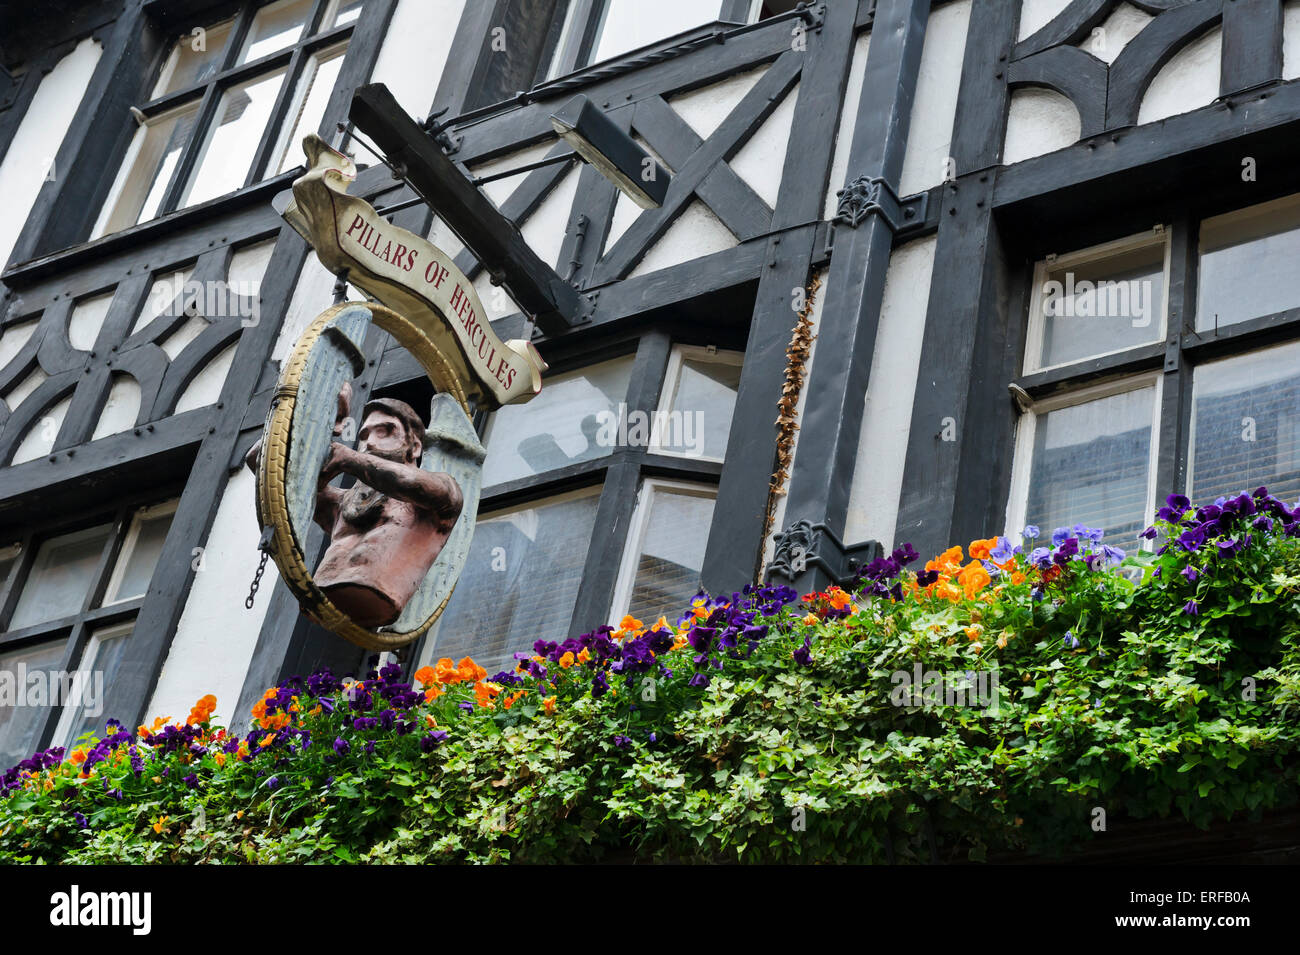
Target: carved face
(384,436)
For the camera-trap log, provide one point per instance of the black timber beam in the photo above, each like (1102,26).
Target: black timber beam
(953,490)
(822,472)
(493,238)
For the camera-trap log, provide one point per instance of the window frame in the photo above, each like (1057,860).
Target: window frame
(618,475)
(577,27)
(672,377)
(208,93)
(76,630)
(1027,428)
(1037,328)
(1172,360)
(650,488)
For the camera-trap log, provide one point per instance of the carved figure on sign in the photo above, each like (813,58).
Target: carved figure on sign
(386,530)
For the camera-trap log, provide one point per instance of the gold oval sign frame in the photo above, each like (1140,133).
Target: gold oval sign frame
(272,483)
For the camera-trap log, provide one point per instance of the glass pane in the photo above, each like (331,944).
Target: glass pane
(240,125)
(519,584)
(61,577)
(315,87)
(139,556)
(1248,264)
(21,725)
(195,58)
(137,196)
(570,421)
(1091,465)
(345,11)
(702,403)
(1103,305)
(672,554)
(629,24)
(1246,425)
(97,672)
(275,27)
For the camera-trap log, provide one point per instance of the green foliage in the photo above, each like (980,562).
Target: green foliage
(1111,694)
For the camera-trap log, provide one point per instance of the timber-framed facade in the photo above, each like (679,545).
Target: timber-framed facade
(920,162)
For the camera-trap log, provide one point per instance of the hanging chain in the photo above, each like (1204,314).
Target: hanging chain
(264,545)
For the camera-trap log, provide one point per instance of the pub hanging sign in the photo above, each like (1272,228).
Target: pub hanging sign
(399,536)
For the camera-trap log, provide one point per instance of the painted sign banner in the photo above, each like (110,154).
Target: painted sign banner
(400,533)
(411,276)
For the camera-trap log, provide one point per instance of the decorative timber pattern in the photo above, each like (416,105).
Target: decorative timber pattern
(1108,96)
(161,329)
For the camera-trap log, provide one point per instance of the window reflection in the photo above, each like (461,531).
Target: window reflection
(559,427)
(1247,267)
(1246,425)
(520,581)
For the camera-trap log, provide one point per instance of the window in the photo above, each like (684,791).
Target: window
(598,30)
(699,396)
(561,426)
(665,552)
(638,439)
(1092,460)
(1117,412)
(68,603)
(1098,301)
(1247,265)
(1246,424)
(520,581)
(231,102)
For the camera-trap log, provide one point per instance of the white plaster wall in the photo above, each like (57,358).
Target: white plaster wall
(31,153)
(13,338)
(312,295)
(1291,40)
(1036,14)
(205,389)
(848,118)
(1039,121)
(1188,81)
(415,51)
(625,213)
(778,513)
(500,190)
(545,229)
(887,418)
(695,233)
(1108,39)
(216,636)
(929,132)
(761,160)
(23,390)
(705,108)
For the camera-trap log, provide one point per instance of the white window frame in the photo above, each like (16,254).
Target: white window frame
(85,671)
(1260,212)
(293,115)
(679,356)
(127,167)
(1225,360)
(1027,426)
(129,542)
(622,601)
(1158,235)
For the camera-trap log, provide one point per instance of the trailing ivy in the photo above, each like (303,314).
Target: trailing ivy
(759,726)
